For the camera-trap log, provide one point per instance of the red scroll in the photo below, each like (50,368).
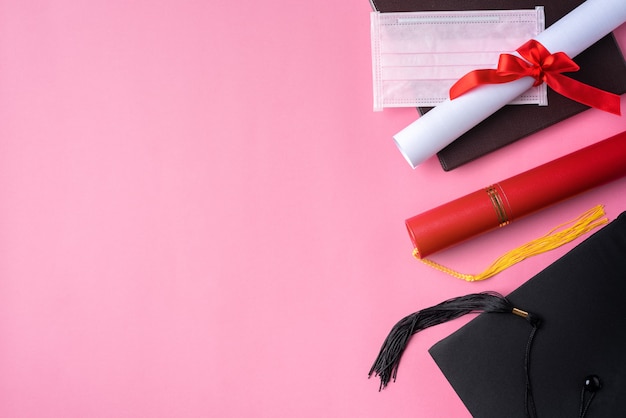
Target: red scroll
(518,196)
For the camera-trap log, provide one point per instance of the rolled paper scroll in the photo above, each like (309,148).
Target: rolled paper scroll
(571,35)
(503,202)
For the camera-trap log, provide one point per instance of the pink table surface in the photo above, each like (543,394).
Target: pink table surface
(201,215)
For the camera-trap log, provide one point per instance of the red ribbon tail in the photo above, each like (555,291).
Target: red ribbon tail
(584,93)
(475,78)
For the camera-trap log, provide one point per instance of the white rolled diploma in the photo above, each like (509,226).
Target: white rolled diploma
(572,34)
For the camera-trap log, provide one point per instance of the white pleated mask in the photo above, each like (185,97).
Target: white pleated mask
(418,56)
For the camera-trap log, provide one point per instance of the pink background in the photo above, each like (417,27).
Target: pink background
(201,215)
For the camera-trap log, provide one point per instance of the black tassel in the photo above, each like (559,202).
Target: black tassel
(386,364)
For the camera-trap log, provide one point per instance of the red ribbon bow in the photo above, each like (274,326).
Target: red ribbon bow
(543,66)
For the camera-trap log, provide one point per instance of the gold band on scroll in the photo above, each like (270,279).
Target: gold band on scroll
(498,205)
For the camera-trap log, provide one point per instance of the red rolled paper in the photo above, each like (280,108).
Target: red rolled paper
(503,202)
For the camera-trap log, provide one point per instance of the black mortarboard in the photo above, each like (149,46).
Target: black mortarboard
(571,363)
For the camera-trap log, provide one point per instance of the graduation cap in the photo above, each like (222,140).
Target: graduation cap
(557,348)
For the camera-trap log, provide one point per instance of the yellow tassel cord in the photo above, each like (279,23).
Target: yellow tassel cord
(553,239)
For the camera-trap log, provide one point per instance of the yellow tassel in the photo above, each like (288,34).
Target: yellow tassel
(556,237)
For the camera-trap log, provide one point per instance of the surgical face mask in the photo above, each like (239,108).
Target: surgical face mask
(418,56)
